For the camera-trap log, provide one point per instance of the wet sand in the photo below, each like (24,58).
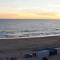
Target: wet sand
(29,43)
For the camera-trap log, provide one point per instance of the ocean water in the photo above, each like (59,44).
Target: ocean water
(24,28)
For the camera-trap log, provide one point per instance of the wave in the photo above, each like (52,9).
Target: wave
(27,34)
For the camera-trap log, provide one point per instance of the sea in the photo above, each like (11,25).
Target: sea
(28,28)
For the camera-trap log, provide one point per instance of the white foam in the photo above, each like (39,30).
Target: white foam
(29,34)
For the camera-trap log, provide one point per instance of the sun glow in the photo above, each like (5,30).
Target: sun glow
(38,15)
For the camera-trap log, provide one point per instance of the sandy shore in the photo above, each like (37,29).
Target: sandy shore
(24,45)
(28,43)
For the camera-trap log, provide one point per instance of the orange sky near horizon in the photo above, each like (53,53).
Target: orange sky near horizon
(8,16)
(44,15)
(30,15)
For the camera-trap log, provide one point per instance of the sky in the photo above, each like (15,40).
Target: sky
(53,5)
(8,6)
(30,9)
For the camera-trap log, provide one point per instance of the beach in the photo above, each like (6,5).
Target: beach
(22,46)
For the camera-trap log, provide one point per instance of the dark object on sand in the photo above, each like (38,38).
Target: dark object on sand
(44,58)
(34,54)
(13,58)
(53,52)
(27,56)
